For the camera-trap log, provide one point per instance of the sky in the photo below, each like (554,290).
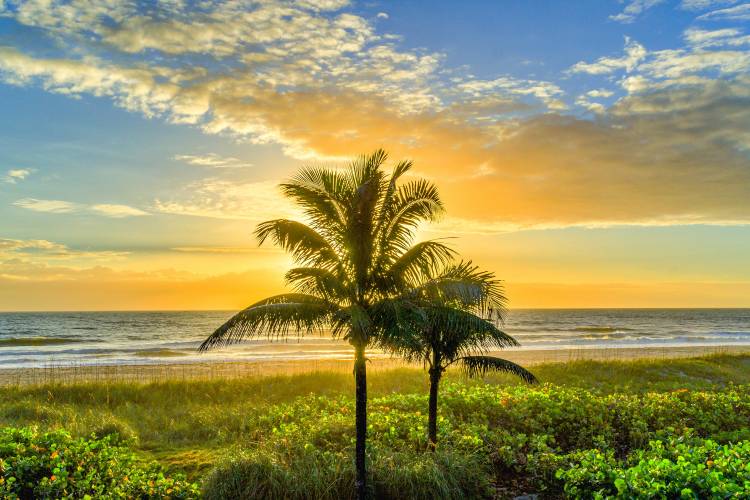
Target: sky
(592,153)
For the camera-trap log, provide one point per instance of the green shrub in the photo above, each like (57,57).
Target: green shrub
(672,469)
(55,465)
(512,439)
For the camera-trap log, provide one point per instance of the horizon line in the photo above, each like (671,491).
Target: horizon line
(54,311)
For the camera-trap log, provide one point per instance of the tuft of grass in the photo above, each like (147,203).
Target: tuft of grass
(324,475)
(116,429)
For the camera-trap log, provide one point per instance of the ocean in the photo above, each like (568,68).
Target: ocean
(83,338)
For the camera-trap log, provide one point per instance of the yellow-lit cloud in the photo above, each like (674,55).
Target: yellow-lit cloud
(638,165)
(113,210)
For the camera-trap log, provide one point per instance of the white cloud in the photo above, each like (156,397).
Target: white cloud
(705,4)
(382,15)
(633,9)
(212,160)
(547,92)
(586,101)
(10,245)
(737,13)
(48,250)
(220,199)
(135,89)
(49,206)
(676,64)
(15,175)
(709,55)
(276,44)
(634,53)
(634,84)
(590,105)
(600,93)
(67,207)
(324,5)
(218,249)
(117,211)
(711,38)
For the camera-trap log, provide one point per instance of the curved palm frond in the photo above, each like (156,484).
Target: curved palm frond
(322,193)
(466,286)
(322,282)
(399,322)
(306,245)
(419,263)
(365,166)
(414,202)
(480,365)
(276,315)
(461,332)
(387,207)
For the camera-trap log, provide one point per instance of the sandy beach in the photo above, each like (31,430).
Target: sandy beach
(146,373)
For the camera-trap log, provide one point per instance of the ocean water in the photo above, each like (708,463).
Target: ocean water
(80,338)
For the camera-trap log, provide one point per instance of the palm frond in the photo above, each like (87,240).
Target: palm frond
(364,167)
(419,262)
(306,245)
(469,287)
(400,169)
(323,282)
(276,315)
(322,193)
(399,321)
(414,202)
(388,206)
(461,332)
(480,365)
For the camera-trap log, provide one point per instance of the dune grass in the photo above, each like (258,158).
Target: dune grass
(189,425)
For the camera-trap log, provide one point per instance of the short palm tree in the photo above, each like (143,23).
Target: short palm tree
(460,308)
(356,256)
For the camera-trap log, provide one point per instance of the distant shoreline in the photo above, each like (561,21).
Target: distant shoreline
(232,311)
(159,372)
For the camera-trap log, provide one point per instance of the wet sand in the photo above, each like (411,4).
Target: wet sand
(147,373)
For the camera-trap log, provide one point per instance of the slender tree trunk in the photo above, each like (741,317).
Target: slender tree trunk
(360,377)
(432,411)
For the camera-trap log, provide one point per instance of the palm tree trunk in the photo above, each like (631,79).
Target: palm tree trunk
(360,377)
(432,411)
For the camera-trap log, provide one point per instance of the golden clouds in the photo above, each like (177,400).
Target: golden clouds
(681,164)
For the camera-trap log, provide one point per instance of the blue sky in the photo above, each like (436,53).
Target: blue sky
(582,144)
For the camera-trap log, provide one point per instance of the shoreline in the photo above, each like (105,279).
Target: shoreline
(217,369)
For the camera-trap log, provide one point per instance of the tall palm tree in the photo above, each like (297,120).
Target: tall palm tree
(460,309)
(355,257)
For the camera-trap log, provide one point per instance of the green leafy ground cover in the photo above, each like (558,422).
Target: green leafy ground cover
(671,429)
(55,465)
